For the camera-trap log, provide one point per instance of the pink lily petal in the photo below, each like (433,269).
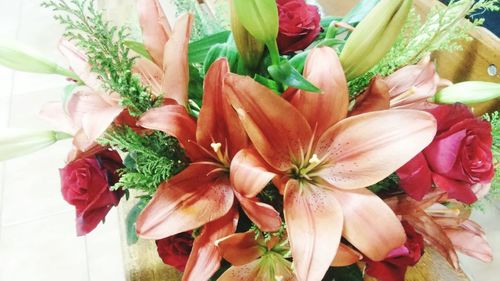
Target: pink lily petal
(469,238)
(151,75)
(249,172)
(369,147)
(471,244)
(155,28)
(346,256)
(205,256)
(93,113)
(261,111)
(263,215)
(79,64)
(240,248)
(322,110)
(53,112)
(82,142)
(247,272)
(375,98)
(434,235)
(217,121)
(314,224)
(189,200)
(412,85)
(175,121)
(175,61)
(369,224)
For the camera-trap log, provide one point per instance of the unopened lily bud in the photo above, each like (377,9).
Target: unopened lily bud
(250,49)
(470,92)
(259,17)
(374,36)
(19,57)
(19,142)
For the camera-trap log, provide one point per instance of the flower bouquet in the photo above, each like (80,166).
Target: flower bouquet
(265,140)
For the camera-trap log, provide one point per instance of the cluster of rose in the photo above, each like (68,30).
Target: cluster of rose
(283,166)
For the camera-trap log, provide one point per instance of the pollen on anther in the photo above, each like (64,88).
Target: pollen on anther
(314,159)
(216,146)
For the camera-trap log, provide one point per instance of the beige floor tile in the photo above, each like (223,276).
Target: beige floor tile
(10,12)
(43,250)
(4,111)
(6,78)
(34,32)
(32,186)
(104,251)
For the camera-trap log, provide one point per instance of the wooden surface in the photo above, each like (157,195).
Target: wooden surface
(141,260)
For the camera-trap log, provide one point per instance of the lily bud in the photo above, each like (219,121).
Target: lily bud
(374,36)
(18,142)
(250,49)
(470,92)
(19,57)
(259,17)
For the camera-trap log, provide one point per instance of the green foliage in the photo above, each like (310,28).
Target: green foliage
(151,159)
(106,50)
(443,30)
(131,220)
(206,20)
(386,185)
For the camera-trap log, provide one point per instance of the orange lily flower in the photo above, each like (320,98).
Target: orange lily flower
(204,192)
(328,167)
(168,73)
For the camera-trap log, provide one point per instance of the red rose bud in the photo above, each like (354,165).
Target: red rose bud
(299,25)
(394,267)
(458,159)
(86,185)
(175,250)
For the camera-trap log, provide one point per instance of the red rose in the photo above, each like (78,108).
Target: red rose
(86,185)
(175,250)
(394,267)
(458,160)
(299,25)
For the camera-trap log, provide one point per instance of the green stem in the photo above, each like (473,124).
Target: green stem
(274,52)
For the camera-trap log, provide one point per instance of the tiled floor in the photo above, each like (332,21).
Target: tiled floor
(37,234)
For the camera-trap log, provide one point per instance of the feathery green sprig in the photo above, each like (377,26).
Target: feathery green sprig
(106,51)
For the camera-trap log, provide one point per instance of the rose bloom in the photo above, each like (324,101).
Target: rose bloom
(459,159)
(86,185)
(394,267)
(175,250)
(299,24)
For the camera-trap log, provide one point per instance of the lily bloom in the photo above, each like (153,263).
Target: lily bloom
(412,85)
(327,160)
(254,258)
(447,229)
(89,111)
(204,191)
(168,72)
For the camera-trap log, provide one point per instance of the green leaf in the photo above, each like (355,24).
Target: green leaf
(198,49)
(195,89)
(347,273)
(227,50)
(138,47)
(286,74)
(359,11)
(131,219)
(271,84)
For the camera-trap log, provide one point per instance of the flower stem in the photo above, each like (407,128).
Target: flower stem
(273,51)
